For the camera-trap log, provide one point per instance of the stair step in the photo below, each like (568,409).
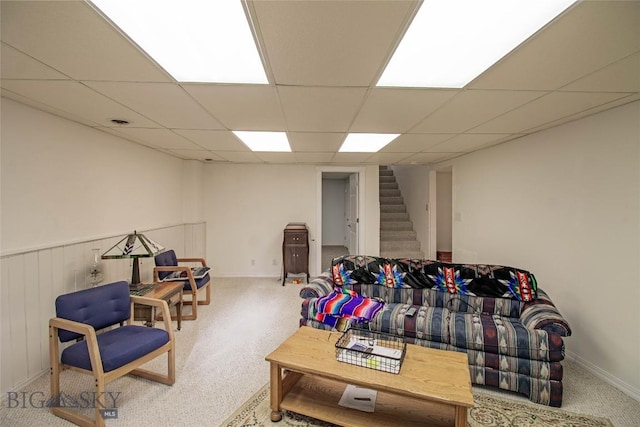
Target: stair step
(396,235)
(383,167)
(392,208)
(392,192)
(396,225)
(394,200)
(388,185)
(394,216)
(384,178)
(385,172)
(400,245)
(402,254)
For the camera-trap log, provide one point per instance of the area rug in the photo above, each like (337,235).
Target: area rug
(488,411)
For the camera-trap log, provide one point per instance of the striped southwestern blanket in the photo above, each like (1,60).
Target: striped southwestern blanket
(345,305)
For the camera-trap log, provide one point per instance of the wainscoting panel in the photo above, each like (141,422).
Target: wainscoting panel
(32,280)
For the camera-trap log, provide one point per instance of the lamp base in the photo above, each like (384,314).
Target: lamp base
(137,286)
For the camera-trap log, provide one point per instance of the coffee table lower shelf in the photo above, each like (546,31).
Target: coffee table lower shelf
(318,397)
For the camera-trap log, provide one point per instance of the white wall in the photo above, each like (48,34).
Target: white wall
(67,189)
(248,206)
(333,211)
(444,214)
(413,182)
(64,182)
(565,204)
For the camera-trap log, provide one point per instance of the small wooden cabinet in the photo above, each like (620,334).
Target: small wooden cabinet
(295,250)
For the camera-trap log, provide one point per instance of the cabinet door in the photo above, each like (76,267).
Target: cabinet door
(302,259)
(290,258)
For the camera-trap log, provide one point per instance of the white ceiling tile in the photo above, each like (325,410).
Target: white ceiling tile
(351,157)
(215,140)
(320,109)
(315,141)
(544,110)
(202,155)
(241,107)
(398,110)
(239,156)
(412,143)
(312,158)
(159,138)
(591,35)
(622,76)
(467,142)
(330,43)
(77,99)
(425,158)
(165,103)
(46,108)
(387,158)
(275,157)
(471,108)
(72,38)
(16,65)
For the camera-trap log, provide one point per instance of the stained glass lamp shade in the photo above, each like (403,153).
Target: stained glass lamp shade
(134,246)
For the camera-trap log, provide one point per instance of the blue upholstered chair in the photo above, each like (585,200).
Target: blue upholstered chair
(167,263)
(118,350)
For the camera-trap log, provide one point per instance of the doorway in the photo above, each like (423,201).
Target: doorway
(340,218)
(441,215)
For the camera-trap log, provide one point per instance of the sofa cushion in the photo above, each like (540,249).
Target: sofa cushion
(428,323)
(500,335)
(465,279)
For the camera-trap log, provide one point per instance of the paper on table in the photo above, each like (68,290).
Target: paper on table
(362,399)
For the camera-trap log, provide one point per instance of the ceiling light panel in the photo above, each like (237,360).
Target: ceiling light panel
(451,42)
(264,141)
(193,40)
(366,142)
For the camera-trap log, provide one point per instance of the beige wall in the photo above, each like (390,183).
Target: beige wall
(67,189)
(444,214)
(248,206)
(565,204)
(64,182)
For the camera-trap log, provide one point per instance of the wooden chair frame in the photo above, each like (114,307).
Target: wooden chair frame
(101,379)
(194,289)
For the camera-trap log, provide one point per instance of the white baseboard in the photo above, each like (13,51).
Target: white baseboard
(605,376)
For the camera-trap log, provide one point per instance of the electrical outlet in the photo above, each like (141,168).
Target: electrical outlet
(253,262)
(274,262)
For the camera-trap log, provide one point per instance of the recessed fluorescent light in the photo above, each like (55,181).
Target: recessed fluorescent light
(264,141)
(366,142)
(193,40)
(451,42)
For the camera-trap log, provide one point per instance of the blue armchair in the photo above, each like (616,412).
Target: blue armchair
(118,350)
(167,263)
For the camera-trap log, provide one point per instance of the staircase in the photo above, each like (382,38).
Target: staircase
(397,238)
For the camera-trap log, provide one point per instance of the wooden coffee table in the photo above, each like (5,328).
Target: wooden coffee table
(433,386)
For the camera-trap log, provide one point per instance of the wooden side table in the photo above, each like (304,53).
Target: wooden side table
(171,292)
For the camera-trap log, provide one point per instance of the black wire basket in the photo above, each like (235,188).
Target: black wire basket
(370,349)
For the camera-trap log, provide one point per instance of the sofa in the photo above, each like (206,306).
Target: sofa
(508,326)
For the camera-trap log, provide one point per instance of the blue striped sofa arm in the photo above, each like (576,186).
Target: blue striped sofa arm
(543,314)
(318,287)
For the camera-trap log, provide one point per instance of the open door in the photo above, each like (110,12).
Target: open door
(352,214)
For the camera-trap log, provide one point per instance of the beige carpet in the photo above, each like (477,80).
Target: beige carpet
(488,411)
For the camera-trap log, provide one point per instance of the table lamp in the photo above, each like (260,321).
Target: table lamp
(134,246)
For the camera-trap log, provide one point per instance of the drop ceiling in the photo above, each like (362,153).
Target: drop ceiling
(323,59)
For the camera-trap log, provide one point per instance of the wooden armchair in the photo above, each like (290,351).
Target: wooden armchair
(110,354)
(167,263)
